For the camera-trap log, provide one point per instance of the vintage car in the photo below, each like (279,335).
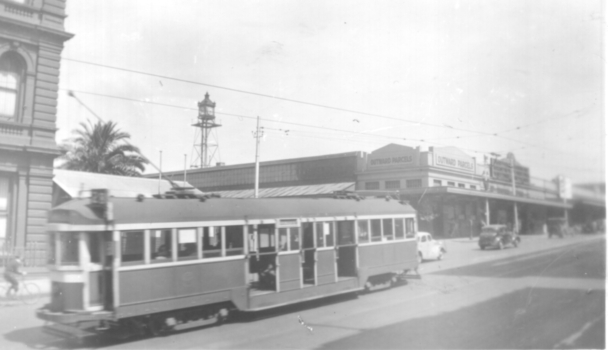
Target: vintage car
(497,236)
(557,227)
(429,248)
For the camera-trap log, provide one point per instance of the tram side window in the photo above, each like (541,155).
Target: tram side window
(234,240)
(376,230)
(212,242)
(68,248)
(346,232)
(308,237)
(320,237)
(326,230)
(132,247)
(95,242)
(283,239)
(50,251)
(363,226)
(186,243)
(409,228)
(289,239)
(160,244)
(294,238)
(399,229)
(387,225)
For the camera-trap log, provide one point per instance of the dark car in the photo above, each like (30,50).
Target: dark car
(557,227)
(497,236)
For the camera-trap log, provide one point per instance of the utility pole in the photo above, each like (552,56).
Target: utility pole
(515,213)
(258,134)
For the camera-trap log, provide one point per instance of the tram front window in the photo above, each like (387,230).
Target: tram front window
(68,248)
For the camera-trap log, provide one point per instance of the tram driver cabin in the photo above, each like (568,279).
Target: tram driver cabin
(154,262)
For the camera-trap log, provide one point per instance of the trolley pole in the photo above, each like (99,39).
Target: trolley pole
(161,170)
(257,135)
(185,167)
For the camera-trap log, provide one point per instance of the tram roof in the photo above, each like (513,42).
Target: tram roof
(131,211)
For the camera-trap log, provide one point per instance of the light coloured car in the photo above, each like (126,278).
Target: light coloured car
(429,248)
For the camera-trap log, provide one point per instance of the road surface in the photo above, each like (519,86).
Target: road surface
(544,294)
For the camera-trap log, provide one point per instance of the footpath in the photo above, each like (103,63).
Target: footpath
(40,275)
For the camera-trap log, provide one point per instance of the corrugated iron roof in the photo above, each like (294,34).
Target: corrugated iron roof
(73,182)
(290,191)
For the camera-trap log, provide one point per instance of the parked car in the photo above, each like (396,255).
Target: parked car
(497,236)
(557,226)
(429,248)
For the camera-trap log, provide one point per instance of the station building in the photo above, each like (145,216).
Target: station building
(32,35)
(453,193)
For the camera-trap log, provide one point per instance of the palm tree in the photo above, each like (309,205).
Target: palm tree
(102,148)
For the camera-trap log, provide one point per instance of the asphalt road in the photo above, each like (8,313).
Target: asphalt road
(544,294)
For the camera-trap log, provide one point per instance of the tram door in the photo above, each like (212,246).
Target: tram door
(100,270)
(347,248)
(263,258)
(309,266)
(325,253)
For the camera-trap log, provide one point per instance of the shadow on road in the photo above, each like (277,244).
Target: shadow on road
(578,261)
(526,318)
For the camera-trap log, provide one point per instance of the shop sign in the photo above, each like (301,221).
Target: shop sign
(501,171)
(565,187)
(392,160)
(450,161)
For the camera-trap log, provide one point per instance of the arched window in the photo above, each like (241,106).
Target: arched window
(12,72)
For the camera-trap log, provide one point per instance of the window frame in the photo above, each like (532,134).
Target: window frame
(13,63)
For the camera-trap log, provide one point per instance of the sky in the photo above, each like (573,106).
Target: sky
(329,77)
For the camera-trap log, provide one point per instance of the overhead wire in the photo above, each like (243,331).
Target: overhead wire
(384,137)
(495,134)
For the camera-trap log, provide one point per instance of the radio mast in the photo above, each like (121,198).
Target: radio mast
(206,149)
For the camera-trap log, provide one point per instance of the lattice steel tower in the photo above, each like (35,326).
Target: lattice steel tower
(206,149)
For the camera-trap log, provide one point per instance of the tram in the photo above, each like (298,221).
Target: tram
(149,264)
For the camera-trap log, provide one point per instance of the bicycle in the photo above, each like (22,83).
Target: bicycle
(28,293)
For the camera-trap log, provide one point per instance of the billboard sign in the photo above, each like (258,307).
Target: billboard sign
(449,160)
(393,156)
(564,185)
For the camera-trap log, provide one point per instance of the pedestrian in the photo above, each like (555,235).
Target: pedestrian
(471,227)
(11,270)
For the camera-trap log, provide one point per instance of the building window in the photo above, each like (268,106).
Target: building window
(4,209)
(437,182)
(451,183)
(473,187)
(413,183)
(461,185)
(12,71)
(372,185)
(392,185)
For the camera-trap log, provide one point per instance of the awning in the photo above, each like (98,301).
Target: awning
(484,194)
(290,191)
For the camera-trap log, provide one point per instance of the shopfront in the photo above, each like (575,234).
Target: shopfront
(455,195)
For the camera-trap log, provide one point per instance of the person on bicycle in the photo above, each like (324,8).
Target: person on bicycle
(11,270)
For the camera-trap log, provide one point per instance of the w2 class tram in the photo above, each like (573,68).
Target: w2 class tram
(150,264)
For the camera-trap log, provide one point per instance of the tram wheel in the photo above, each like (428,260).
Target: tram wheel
(222,316)
(156,326)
